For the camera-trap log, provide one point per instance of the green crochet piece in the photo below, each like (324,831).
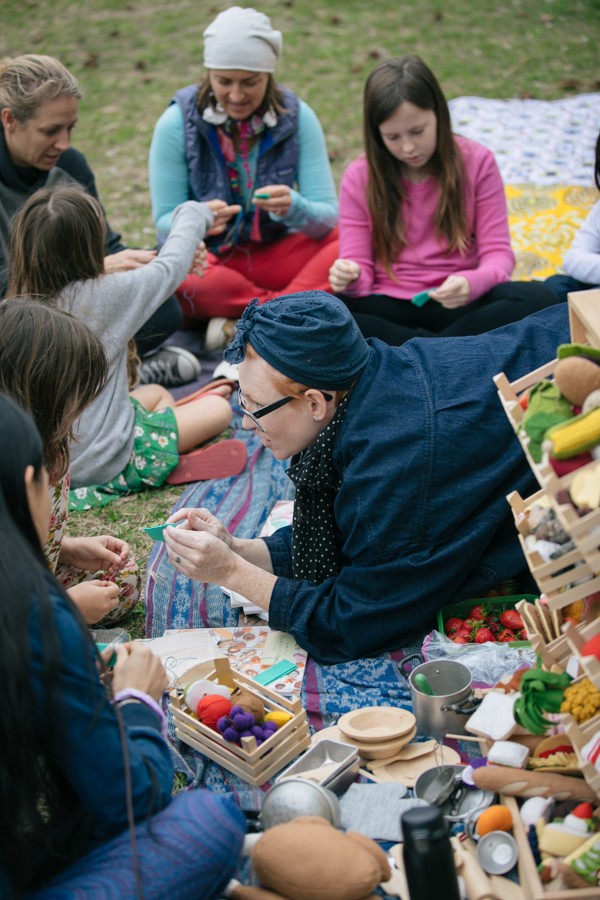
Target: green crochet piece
(546,408)
(565,350)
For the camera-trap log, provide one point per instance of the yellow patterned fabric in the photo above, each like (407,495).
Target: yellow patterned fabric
(543,221)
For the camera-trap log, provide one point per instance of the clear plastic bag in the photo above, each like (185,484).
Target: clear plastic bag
(488,663)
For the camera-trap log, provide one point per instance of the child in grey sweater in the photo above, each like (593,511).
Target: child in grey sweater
(125,441)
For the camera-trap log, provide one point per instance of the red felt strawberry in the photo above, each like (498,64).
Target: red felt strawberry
(452,624)
(510,618)
(478,612)
(524,401)
(506,635)
(483,635)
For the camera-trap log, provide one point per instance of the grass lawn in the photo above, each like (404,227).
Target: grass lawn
(130,57)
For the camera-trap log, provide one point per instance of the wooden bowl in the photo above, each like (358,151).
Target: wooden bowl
(375,724)
(382,750)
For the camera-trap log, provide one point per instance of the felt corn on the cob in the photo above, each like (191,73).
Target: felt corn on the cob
(575,436)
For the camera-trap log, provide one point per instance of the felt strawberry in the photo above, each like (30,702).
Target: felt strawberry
(452,624)
(483,635)
(510,618)
(505,636)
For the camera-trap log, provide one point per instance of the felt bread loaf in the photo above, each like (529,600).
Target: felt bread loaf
(521,783)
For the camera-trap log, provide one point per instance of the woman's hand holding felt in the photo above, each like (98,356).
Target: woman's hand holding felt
(126,260)
(94,599)
(137,667)
(203,520)
(454,292)
(223,213)
(203,550)
(92,554)
(273,198)
(342,273)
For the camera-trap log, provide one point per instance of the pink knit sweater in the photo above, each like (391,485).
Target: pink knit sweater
(424,261)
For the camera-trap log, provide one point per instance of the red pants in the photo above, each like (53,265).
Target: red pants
(294,263)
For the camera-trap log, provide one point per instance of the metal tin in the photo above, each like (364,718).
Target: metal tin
(461,802)
(497,852)
(344,761)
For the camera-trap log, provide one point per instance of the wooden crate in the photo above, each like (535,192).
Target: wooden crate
(255,764)
(584,317)
(529,878)
(563,580)
(584,530)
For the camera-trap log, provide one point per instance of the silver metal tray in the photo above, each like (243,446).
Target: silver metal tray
(342,761)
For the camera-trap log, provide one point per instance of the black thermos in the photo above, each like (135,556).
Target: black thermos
(428,856)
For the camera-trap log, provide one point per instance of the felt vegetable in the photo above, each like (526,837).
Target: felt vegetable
(546,408)
(540,692)
(210,709)
(239,724)
(193,692)
(581,700)
(576,378)
(495,818)
(575,436)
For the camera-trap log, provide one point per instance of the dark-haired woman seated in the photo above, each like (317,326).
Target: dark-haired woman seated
(85,772)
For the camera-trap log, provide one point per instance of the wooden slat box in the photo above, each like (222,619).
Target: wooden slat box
(529,878)
(585,530)
(563,580)
(255,764)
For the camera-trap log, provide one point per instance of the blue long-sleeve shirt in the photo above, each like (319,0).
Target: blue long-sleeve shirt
(83,748)
(426,456)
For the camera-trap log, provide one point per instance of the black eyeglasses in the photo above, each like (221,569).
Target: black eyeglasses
(265,410)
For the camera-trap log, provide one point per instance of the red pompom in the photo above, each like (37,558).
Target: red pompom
(211,708)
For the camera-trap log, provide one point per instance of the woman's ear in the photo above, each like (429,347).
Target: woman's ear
(319,408)
(7,118)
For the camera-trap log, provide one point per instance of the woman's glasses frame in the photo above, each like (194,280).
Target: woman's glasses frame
(265,410)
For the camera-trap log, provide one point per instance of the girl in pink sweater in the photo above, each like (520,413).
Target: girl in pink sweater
(424,213)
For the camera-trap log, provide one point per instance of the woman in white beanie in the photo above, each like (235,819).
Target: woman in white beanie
(239,139)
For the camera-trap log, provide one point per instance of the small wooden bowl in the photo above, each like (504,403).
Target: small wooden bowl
(375,724)
(382,750)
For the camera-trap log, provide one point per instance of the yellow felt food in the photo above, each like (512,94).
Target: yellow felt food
(279,716)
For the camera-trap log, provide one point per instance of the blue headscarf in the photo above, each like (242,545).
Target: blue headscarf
(311,337)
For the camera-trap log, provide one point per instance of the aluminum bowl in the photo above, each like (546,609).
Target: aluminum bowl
(298,797)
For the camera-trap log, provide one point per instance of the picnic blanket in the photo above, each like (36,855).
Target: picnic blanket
(545,151)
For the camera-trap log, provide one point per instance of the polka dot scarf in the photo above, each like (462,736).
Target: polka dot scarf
(316,550)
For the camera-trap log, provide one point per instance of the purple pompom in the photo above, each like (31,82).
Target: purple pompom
(243,721)
(231,734)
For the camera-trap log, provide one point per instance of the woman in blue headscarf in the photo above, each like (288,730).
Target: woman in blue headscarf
(401,457)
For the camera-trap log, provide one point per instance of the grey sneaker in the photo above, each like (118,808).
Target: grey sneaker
(170,366)
(219,332)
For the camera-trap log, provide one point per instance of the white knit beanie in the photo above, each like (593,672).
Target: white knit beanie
(242,39)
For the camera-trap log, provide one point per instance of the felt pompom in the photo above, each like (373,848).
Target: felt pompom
(211,708)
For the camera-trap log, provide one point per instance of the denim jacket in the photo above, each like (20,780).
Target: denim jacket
(426,456)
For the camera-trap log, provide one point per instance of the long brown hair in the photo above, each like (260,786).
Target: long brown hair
(53,366)
(57,238)
(393,82)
